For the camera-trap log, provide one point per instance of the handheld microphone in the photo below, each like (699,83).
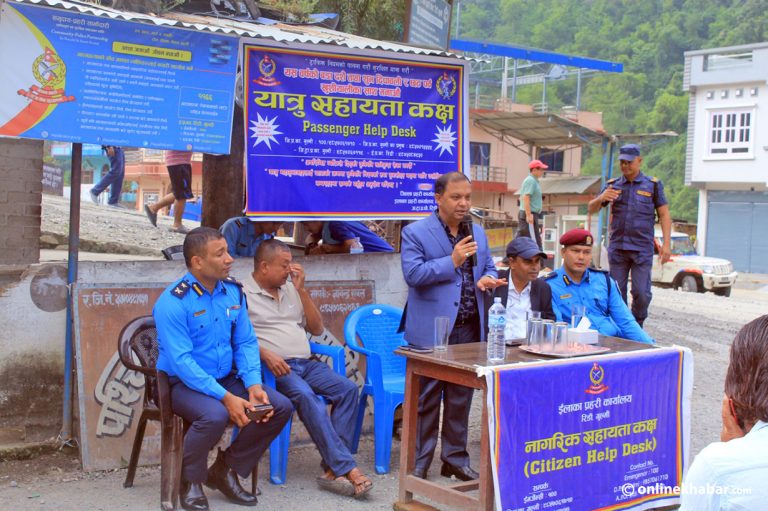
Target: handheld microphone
(466,228)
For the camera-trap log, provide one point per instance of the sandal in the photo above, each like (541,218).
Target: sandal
(360,483)
(180,230)
(339,485)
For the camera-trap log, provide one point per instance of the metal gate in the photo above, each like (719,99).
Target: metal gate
(737,229)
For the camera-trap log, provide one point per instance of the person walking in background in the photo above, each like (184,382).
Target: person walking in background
(113,179)
(635,199)
(529,217)
(179,164)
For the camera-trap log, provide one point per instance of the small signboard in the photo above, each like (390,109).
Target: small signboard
(430,23)
(73,77)
(53,179)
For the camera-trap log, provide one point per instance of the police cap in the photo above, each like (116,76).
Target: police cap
(576,237)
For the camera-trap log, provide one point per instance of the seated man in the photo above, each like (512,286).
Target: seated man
(527,292)
(735,469)
(338,238)
(211,355)
(243,235)
(575,283)
(282,313)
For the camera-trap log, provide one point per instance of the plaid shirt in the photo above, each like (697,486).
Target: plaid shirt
(468,302)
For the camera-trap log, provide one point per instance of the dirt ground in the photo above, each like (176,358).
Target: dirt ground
(703,322)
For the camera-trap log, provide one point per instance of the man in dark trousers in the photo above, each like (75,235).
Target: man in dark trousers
(437,260)
(211,355)
(525,292)
(635,199)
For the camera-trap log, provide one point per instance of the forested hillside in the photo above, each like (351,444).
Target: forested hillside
(649,38)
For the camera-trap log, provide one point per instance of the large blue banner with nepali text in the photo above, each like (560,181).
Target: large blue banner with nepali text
(604,433)
(355,136)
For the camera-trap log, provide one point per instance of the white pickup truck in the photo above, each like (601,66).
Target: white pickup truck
(690,272)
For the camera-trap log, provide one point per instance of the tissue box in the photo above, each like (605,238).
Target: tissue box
(582,336)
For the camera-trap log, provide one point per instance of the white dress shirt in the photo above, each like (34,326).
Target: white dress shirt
(729,476)
(518,306)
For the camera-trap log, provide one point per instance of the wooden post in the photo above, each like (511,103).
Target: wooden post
(224,179)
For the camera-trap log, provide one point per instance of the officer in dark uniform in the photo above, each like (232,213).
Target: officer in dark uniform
(635,199)
(210,352)
(575,283)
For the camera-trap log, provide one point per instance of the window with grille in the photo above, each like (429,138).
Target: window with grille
(730,132)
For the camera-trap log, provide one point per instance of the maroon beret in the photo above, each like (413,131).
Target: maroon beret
(576,237)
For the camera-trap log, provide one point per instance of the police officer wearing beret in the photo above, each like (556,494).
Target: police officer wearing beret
(211,355)
(575,283)
(635,199)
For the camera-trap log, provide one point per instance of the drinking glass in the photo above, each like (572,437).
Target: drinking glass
(441,333)
(534,332)
(547,335)
(529,317)
(562,344)
(578,311)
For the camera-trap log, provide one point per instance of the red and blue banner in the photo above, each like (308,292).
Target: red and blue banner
(72,77)
(604,433)
(348,135)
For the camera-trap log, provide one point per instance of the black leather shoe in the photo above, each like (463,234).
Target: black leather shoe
(461,473)
(419,472)
(224,479)
(192,497)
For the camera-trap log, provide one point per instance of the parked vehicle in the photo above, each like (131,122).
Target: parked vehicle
(690,272)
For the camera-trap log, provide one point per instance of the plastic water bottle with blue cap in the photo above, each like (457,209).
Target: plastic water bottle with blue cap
(356,247)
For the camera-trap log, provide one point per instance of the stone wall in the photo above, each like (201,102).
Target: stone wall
(21,172)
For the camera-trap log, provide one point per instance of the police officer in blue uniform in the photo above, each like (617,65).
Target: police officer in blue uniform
(575,283)
(635,199)
(211,355)
(244,235)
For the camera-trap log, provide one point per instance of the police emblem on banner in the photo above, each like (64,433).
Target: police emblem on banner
(267,69)
(596,376)
(446,86)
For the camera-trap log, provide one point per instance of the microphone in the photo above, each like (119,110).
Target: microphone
(466,228)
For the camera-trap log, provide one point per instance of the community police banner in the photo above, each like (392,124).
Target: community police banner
(71,77)
(604,433)
(354,136)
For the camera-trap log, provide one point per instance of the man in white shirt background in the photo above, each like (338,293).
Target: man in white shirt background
(525,292)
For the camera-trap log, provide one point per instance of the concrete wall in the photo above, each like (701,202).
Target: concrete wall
(21,173)
(32,315)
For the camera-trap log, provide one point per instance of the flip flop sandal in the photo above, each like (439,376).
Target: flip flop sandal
(339,486)
(361,483)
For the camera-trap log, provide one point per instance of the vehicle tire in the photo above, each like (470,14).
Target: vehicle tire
(722,291)
(688,284)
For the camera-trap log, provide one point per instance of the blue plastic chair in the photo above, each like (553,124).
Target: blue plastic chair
(376,326)
(278,449)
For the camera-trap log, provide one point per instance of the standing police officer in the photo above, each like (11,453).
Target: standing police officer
(575,283)
(210,353)
(635,200)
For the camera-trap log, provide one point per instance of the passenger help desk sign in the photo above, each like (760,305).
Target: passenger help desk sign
(598,433)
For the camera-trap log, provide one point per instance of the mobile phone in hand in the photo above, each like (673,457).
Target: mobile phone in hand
(258,412)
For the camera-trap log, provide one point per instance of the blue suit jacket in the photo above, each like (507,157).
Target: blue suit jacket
(434,285)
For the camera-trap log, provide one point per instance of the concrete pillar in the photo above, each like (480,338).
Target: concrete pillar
(21,173)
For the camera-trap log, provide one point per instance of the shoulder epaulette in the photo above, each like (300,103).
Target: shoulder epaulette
(238,223)
(654,179)
(181,289)
(612,180)
(550,275)
(233,280)
(598,270)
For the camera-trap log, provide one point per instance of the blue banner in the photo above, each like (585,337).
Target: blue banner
(604,433)
(71,77)
(332,135)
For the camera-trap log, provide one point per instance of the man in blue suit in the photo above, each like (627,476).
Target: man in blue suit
(448,267)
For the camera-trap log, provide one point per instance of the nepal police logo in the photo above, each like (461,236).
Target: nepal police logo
(267,69)
(446,86)
(596,376)
(50,72)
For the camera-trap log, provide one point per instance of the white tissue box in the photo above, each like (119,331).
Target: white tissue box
(582,336)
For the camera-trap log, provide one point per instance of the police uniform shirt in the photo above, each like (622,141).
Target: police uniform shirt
(633,212)
(241,237)
(197,331)
(607,311)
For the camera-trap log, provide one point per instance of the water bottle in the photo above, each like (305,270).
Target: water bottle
(357,247)
(496,322)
